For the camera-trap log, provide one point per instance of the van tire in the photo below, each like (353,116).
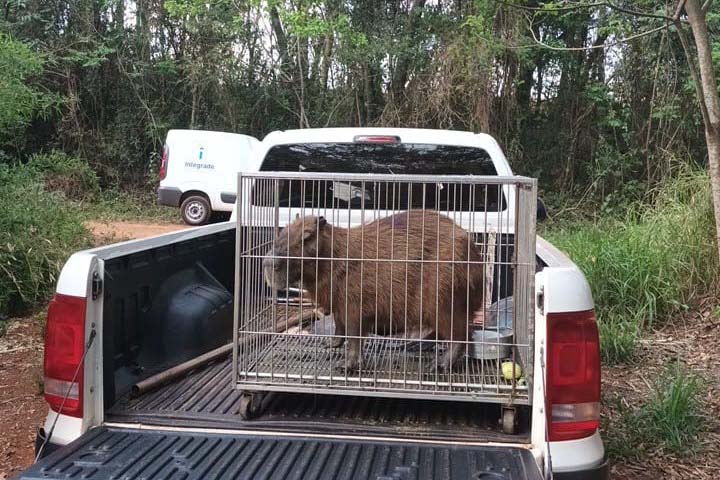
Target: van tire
(196,210)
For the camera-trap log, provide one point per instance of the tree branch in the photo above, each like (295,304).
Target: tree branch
(582,6)
(593,47)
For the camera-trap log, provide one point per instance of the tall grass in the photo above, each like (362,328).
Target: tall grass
(648,265)
(673,412)
(38,230)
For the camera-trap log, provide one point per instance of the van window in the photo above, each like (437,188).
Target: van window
(398,158)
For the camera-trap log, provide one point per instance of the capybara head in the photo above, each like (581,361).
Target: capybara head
(282,265)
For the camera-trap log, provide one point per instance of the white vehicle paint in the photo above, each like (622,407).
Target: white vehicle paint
(203,164)
(560,288)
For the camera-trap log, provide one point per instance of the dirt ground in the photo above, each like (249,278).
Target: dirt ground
(693,338)
(106,232)
(22,407)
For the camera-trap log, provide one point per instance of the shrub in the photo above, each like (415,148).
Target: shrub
(65,174)
(670,419)
(672,414)
(647,265)
(38,230)
(117,204)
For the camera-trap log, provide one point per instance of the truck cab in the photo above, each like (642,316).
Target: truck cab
(135,311)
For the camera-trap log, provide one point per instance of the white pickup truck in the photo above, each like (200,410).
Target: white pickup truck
(126,312)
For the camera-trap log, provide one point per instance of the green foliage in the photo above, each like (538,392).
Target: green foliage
(65,174)
(649,265)
(618,338)
(116,204)
(674,409)
(38,231)
(20,99)
(599,123)
(670,419)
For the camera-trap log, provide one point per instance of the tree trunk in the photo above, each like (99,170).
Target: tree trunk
(325,66)
(280,38)
(709,102)
(400,75)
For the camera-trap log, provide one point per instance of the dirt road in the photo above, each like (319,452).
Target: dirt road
(22,407)
(106,232)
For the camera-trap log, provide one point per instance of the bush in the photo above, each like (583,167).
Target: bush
(65,174)
(670,419)
(672,414)
(648,265)
(38,230)
(116,204)
(21,98)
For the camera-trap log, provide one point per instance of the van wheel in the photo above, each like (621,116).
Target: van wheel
(196,210)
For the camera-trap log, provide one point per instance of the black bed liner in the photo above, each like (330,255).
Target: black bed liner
(205,398)
(111,453)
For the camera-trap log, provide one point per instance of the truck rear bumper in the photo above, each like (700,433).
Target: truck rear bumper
(600,472)
(169,196)
(107,452)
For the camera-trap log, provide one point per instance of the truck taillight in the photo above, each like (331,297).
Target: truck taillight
(573,375)
(164,162)
(64,346)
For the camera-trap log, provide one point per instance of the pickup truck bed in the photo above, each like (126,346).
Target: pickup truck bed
(109,453)
(156,303)
(205,398)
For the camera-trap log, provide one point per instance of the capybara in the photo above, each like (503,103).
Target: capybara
(415,271)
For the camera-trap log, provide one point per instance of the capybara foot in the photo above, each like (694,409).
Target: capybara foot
(348,365)
(452,355)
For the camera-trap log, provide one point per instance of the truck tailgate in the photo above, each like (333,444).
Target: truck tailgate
(105,453)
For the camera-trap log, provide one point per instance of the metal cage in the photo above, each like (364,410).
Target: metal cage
(327,302)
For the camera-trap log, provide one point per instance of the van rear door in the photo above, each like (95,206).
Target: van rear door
(206,162)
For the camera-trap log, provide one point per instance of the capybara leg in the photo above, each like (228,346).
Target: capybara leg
(354,354)
(452,355)
(339,339)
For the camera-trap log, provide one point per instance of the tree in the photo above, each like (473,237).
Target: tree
(20,97)
(707,95)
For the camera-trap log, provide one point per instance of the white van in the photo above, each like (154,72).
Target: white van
(198,172)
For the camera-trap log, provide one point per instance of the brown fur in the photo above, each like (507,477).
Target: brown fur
(371,296)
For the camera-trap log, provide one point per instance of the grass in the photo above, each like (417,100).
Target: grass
(115,204)
(649,264)
(673,412)
(669,420)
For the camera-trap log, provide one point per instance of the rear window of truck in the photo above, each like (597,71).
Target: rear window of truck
(385,158)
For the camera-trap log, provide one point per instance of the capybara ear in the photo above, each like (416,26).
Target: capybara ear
(297,215)
(309,228)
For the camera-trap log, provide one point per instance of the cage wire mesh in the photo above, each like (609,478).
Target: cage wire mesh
(385,285)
